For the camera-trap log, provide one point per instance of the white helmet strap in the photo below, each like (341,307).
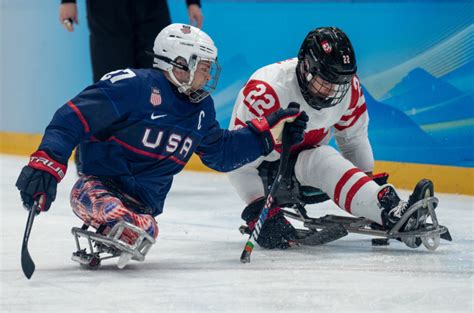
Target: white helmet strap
(169,61)
(182,87)
(190,67)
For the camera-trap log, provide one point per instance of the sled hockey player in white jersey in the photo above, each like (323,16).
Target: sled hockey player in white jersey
(323,80)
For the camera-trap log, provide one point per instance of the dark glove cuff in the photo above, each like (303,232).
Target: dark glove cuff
(40,160)
(260,127)
(252,210)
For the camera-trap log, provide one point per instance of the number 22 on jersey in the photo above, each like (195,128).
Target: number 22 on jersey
(260,98)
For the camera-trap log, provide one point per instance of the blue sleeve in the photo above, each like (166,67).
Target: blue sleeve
(225,150)
(91,111)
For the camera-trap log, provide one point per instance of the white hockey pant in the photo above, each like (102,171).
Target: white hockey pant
(351,189)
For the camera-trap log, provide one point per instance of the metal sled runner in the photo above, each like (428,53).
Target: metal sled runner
(110,246)
(332,227)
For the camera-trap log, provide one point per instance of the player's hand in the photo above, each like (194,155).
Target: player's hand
(271,127)
(195,15)
(277,232)
(68,15)
(297,127)
(40,178)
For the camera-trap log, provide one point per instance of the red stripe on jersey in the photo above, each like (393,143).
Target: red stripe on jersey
(260,98)
(80,116)
(354,189)
(355,115)
(146,153)
(347,175)
(356,95)
(356,92)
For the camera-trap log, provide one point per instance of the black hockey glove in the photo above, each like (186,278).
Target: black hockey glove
(297,127)
(271,127)
(276,232)
(40,178)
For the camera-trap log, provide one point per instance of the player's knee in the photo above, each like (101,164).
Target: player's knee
(309,161)
(317,154)
(112,210)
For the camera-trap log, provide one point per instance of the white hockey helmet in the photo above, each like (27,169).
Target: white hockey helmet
(193,45)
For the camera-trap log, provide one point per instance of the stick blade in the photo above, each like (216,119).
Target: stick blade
(326,235)
(27,263)
(245,257)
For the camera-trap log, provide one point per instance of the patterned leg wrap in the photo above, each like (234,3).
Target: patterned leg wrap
(98,204)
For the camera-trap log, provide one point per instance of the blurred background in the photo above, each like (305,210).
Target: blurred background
(415,61)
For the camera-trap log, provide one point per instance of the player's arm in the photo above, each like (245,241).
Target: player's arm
(92,110)
(257,98)
(351,132)
(225,150)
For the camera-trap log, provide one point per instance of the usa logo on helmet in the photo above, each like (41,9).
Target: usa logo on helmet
(155,97)
(186,29)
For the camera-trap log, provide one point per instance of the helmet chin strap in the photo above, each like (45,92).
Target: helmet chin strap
(182,87)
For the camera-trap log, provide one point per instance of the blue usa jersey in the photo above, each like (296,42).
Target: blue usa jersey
(135,128)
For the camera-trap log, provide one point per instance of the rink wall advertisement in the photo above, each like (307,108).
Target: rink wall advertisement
(415,60)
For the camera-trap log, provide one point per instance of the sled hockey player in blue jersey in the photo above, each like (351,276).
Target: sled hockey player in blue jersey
(137,128)
(323,80)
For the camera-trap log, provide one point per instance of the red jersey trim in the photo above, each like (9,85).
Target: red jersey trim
(356,92)
(355,116)
(79,115)
(146,153)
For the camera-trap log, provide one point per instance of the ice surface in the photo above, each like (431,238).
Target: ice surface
(194,267)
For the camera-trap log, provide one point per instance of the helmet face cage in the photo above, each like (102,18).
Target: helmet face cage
(324,94)
(196,96)
(326,66)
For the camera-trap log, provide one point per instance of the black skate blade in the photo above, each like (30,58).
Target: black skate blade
(328,234)
(446,236)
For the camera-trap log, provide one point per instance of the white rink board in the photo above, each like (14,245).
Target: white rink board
(194,267)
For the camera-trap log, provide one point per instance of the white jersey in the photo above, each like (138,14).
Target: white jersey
(275,86)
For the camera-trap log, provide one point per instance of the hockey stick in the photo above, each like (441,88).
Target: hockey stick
(27,263)
(284,158)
